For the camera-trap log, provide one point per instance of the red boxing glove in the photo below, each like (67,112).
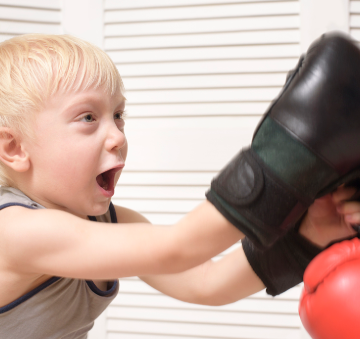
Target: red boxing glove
(330,302)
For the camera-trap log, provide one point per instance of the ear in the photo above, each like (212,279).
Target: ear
(12,152)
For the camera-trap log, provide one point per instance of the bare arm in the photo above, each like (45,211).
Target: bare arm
(231,278)
(213,283)
(57,243)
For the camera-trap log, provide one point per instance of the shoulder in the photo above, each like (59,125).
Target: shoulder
(126,215)
(25,232)
(23,226)
(15,219)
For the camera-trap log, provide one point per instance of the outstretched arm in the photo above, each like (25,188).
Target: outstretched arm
(232,278)
(213,283)
(57,243)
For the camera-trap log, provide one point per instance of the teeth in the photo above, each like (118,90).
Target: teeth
(105,186)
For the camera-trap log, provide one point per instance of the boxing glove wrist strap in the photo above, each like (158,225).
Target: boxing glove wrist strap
(265,189)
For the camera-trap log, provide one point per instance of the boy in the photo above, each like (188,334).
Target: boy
(62,150)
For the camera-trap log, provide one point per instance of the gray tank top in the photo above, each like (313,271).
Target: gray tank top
(60,307)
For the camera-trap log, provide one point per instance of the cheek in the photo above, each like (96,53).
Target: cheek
(70,161)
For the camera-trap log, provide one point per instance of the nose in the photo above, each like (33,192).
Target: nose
(116,139)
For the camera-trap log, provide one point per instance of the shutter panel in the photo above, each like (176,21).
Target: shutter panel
(198,76)
(355,19)
(29,16)
(141,312)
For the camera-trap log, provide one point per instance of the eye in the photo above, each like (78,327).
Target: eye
(119,119)
(119,115)
(87,118)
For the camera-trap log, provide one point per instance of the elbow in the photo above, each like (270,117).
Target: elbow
(208,287)
(215,302)
(213,299)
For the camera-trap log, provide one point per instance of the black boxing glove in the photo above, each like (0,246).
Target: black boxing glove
(306,145)
(281,266)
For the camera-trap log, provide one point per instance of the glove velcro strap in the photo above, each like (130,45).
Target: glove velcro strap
(254,200)
(291,161)
(241,181)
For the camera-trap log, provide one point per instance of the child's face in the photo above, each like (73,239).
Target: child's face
(78,136)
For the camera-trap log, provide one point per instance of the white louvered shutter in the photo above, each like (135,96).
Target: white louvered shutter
(198,74)
(355,19)
(29,16)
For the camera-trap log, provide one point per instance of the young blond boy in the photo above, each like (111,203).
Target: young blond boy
(62,150)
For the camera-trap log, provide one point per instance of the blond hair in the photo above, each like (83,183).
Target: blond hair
(34,67)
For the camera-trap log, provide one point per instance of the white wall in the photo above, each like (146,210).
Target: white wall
(29,16)
(199,74)
(321,16)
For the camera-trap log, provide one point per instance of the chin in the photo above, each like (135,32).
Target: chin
(99,208)
(94,209)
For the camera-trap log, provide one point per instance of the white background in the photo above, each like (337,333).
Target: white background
(198,74)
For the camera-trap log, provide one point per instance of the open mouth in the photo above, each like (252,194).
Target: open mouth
(106,179)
